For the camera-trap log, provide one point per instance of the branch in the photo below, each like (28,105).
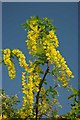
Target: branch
(40,86)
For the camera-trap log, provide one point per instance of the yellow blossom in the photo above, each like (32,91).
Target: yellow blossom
(21,58)
(8,62)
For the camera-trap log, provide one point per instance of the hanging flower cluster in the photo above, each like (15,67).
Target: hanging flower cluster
(54,57)
(9,63)
(7,54)
(21,57)
(30,85)
(28,98)
(42,42)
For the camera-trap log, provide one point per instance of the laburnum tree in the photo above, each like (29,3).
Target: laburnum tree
(42,44)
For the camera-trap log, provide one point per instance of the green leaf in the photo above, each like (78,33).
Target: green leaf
(55,71)
(76,102)
(39,62)
(45,82)
(74,91)
(27,22)
(39,51)
(71,96)
(54,93)
(24,24)
(54,113)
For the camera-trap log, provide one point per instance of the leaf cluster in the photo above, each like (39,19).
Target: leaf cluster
(8,103)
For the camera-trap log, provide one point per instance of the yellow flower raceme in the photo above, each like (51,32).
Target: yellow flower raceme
(30,84)
(32,42)
(8,62)
(53,38)
(56,58)
(34,75)
(28,91)
(21,58)
(35,40)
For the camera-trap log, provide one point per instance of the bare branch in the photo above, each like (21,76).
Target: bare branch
(40,86)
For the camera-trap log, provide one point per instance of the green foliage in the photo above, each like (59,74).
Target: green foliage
(52,91)
(71,96)
(8,103)
(44,24)
(75,106)
(55,71)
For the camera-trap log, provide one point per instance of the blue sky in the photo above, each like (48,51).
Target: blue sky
(65,16)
